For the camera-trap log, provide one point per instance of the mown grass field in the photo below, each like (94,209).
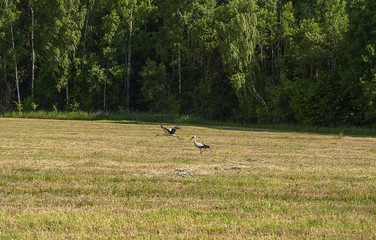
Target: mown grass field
(64,179)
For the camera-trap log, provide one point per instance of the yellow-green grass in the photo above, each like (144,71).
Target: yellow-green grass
(117,180)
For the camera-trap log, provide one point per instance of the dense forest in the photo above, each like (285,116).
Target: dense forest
(310,62)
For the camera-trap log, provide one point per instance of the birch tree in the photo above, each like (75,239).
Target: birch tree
(237,29)
(11,17)
(32,49)
(59,35)
(129,58)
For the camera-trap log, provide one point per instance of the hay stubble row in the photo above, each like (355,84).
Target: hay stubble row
(103,179)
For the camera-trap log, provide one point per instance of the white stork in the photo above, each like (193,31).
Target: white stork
(169,132)
(200,146)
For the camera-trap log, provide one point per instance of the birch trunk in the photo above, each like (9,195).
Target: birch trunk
(67,97)
(33,51)
(104,95)
(1,70)
(14,55)
(128,77)
(89,10)
(179,66)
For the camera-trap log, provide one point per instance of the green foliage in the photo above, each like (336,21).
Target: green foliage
(359,72)
(315,102)
(74,106)
(308,62)
(54,108)
(155,86)
(19,107)
(29,105)
(34,106)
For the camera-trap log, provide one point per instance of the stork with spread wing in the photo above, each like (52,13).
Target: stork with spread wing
(169,132)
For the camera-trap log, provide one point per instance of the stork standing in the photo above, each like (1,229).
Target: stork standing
(169,132)
(200,146)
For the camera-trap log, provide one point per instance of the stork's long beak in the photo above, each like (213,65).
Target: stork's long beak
(191,138)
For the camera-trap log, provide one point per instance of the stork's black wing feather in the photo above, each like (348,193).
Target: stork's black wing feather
(166,130)
(173,130)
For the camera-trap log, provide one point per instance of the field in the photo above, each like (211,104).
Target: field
(71,179)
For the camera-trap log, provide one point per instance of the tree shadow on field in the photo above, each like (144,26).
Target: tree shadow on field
(184,125)
(279,128)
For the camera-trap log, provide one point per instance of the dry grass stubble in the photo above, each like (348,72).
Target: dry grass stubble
(101,179)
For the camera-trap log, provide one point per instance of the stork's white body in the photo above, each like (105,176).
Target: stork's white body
(200,146)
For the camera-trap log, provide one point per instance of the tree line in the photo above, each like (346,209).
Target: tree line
(309,61)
